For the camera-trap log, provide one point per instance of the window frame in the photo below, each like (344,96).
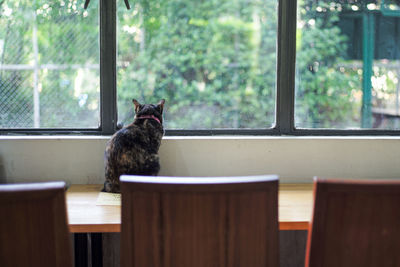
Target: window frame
(285,86)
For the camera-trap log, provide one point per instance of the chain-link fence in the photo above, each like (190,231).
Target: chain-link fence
(49,65)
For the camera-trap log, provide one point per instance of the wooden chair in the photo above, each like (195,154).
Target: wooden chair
(33,225)
(174,222)
(355,223)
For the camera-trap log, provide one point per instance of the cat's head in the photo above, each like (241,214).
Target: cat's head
(149,111)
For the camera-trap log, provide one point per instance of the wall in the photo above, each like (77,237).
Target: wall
(79,159)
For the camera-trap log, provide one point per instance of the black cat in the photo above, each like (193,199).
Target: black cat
(134,148)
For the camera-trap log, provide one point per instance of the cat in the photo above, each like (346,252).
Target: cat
(134,148)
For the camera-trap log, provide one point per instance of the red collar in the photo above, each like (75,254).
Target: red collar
(148,117)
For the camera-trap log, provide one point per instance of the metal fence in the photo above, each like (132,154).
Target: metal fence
(49,65)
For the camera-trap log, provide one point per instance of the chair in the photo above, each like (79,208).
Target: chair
(33,225)
(355,223)
(181,222)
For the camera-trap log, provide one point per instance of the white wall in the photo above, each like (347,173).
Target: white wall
(294,159)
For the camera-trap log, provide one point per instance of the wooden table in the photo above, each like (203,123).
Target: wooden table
(295,207)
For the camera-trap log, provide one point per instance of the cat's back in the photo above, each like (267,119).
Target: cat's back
(125,139)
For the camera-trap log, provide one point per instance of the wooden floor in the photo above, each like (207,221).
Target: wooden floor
(295,207)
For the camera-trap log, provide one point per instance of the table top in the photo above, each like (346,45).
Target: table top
(84,216)
(295,203)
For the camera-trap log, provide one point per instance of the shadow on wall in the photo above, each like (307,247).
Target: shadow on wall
(3,179)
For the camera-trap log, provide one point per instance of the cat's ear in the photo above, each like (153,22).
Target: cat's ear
(160,105)
(137,105)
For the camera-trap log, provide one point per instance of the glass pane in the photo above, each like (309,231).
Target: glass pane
(49,64)
(348,68)
(213,61)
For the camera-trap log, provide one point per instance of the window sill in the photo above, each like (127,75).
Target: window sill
(296,159)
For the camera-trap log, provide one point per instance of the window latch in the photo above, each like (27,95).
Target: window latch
(88,1)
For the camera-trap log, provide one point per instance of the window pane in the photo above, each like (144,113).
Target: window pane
(347,70)
(213,61)
(49,64)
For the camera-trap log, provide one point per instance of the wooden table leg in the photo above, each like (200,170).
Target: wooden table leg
(81,250)
(97,249)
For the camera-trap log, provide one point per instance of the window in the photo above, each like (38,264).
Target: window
(347,67)
(49,65)
(300,67)
(214,61)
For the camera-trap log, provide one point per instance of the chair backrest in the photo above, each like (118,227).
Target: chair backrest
(355,223)
(33,225)
(186,221)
